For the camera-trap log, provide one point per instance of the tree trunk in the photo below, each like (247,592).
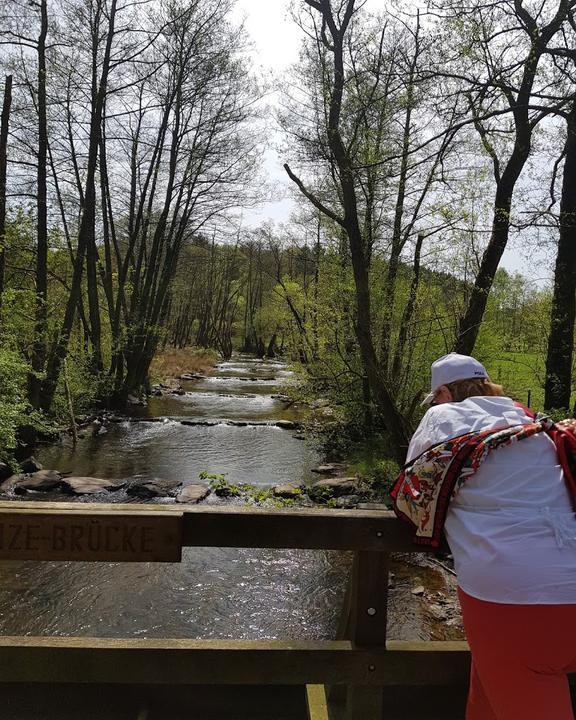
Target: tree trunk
(4,123)
(86,232)
(393,420)
(41,311)
(558,385)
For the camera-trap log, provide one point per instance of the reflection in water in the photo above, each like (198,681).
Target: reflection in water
(213,593)
(244,406)
(261,455)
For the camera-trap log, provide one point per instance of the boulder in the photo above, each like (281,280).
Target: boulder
(153,487)
(30,465)
(329,469)
(41,480)
(288,490)
(192,494)
(335,487)
(90,485)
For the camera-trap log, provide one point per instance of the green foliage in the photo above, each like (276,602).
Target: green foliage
(376,471)
(15,411)
(219,485)
(84,384)
(249,493)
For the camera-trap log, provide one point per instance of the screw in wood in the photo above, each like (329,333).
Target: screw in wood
(379,533)
(371,668)
(371,611)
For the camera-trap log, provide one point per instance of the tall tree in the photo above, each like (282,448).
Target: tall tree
(504,81)
(41,311)
(559,359)
(4,125)
(332,32)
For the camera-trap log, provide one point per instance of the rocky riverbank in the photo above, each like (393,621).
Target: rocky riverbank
(335,491)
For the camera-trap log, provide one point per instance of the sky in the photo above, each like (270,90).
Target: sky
(276,40)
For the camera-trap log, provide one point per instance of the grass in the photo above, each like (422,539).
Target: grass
(173,362)
(521,374)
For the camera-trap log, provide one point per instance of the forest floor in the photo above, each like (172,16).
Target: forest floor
(173,362)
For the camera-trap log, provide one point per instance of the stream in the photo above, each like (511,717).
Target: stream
(213,592)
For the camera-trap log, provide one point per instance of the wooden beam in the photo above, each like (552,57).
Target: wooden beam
(88,536)
(205,662)
(316,702)
(248,527)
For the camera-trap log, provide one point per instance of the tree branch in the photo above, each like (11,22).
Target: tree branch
(313,199)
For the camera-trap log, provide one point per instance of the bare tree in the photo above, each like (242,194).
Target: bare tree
(507,44)
(332,30)
(4,125)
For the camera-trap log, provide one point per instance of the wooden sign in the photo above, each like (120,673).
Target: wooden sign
(105,536)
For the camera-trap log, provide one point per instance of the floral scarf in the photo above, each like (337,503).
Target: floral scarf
(428,483)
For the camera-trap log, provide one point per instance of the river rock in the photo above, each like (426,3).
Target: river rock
(192,376)
(299,436)
(97,427)
(283,398)
(287,424)
(178,391)
(41,480)
(347,501)
(192,494)
(437,611)
(288,490)
(418,590)
(90,485)
(10,483)
(153,487)
(30,465)
(329,469)
(334,487)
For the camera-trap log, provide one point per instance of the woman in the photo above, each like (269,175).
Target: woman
(509,522)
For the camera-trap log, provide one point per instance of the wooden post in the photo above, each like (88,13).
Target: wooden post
(368,615)
(316,702)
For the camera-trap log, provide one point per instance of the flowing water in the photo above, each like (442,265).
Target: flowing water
(213,593)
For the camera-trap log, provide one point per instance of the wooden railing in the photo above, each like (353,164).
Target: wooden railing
(362,660)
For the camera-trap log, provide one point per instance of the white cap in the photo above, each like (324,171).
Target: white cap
(452,367)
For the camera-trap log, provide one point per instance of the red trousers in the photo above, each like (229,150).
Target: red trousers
(520,657)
